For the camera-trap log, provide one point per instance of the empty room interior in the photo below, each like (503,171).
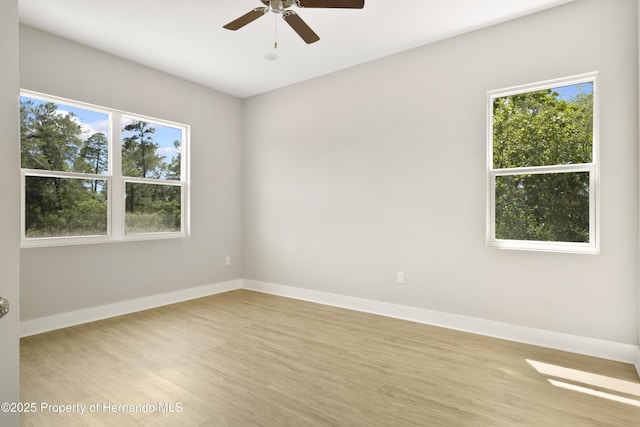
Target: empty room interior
(343,232)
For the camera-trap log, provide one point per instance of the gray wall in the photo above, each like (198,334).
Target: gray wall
(381,168)
(61,279)
(9,211)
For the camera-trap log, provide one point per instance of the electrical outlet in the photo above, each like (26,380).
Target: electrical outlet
(227,261)
(400,276)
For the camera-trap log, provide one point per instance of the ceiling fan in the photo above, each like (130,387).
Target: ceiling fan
(291,17)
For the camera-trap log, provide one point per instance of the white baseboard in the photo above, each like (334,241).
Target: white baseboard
(626,353)
(576,344)
(64,320)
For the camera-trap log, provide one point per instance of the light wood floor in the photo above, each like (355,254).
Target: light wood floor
(249,359)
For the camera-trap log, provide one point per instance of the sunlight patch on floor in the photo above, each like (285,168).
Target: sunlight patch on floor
(590,383)
(592,392)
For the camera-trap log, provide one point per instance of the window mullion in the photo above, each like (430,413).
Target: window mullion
(116,192)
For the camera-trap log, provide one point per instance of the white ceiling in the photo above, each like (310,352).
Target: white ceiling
(186,38)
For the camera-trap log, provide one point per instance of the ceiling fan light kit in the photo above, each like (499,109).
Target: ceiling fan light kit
(291,17)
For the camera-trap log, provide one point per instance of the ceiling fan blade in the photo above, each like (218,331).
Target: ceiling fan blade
(246,18)
(345,4)
(300,27)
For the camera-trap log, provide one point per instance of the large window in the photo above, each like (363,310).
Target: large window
(93,174)
(542,166)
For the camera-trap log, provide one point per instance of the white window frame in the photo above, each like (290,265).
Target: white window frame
(115,180)
(593,246)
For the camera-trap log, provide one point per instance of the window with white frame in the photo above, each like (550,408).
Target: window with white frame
(543,166)
(93,174)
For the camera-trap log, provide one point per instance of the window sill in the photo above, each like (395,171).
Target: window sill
(92,240)
(565,247)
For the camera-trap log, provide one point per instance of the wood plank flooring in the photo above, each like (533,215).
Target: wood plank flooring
(248,359)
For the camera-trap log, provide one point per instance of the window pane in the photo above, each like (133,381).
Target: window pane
(59,137)
(150,150)
(543,207)
(547,127)
(64,207)
(152,208)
